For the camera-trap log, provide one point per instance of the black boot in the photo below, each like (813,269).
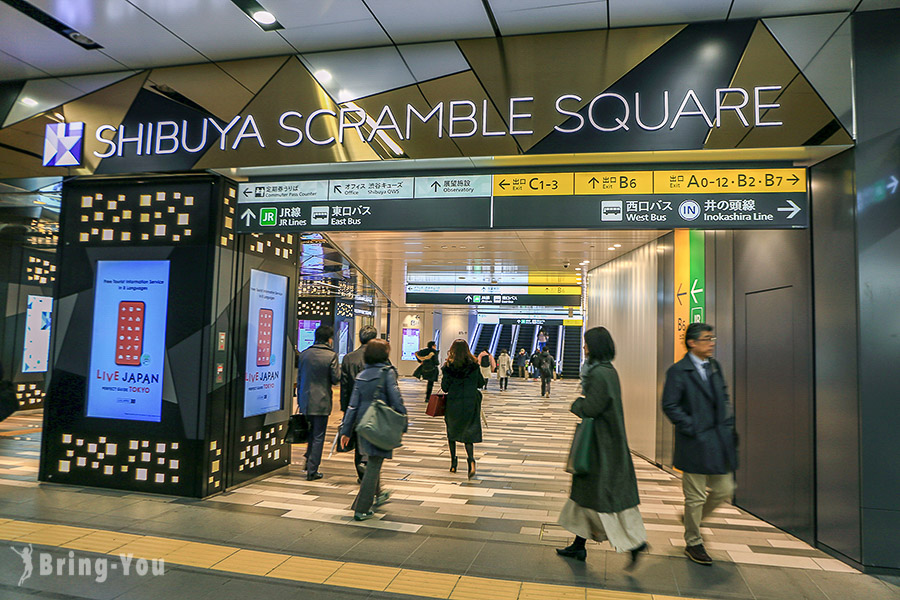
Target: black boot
(575,550)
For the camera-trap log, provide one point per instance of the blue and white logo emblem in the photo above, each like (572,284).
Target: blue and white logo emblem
(689,210)
(62,144)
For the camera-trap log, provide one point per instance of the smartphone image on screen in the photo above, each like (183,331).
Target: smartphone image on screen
(130,333)
(264,338)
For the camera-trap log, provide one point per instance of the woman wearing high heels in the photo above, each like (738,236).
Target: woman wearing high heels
(603,503)
(462,381)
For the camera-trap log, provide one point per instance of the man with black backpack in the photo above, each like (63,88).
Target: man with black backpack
(546,367)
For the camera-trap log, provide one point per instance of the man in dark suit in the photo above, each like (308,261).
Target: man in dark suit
(352,364)
(695,399)
(317,372)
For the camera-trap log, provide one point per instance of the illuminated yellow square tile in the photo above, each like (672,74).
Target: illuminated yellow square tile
(480,588)
(310,570)
(423,583)
(126,214)
(145,236)
(199,555)
(250,562)
(365,577)
(159,230)
(145,199)
(87,201)
(126,236)
(183,218)
(145,218)
(85,218)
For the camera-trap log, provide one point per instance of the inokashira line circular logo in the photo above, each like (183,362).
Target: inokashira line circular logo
(689,210)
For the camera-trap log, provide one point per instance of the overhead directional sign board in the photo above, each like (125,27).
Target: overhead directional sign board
(750,198)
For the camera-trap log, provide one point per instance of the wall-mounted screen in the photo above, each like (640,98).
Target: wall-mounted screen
(128,339)
(343,339)
(410,343)
(265,343)
(306,333)
(36,348)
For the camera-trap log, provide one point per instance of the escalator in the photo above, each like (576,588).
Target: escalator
(552,337)
(571,352)
(504,339)
(484,338)
(526,338)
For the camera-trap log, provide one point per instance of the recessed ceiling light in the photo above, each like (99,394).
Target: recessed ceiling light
(264,17)
(51,22)
(617,245)
(577,268)
(257,13)
(29,101)
(322,75)
(610,248)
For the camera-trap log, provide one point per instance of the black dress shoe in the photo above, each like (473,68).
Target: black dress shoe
(698,554)
(573,552)
(314,476)
(635,555)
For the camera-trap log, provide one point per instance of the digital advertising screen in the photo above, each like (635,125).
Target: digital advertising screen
(265,343)
(306,333)
(343,339)
(128,340)
(36,348)
(410,343)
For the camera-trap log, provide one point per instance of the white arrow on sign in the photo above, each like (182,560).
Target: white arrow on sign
(248,214)
(793,209)
(695,291)
(892,184)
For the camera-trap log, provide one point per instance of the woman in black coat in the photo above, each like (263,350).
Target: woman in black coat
(603,503)
(462,381)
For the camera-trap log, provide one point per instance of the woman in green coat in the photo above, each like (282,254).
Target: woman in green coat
(462,381)
(603,503)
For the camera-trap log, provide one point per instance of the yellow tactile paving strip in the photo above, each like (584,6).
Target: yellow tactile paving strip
(298,568)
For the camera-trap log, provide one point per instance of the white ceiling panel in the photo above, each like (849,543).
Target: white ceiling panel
(48,93)
(13,68)
(363,33)
(744,9)
(126,34)
(410,22)
(804,36)
(359,73)
(516,17)
(293,14)
(429,61)
(46,50)
(631,13)
(830,73)
(233,36)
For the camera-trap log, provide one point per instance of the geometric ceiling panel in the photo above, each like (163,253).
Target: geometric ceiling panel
(43,94)
(206,85)
(745,9)
(351,74)
(802,37)
(429,61)
(631,13)
(517,17)
(253,73)
(542,66)
(413,22)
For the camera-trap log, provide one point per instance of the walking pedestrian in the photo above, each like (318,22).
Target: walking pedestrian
(462,379)
(351,366)
(379,377)
(546,367)
(504,368)
(536,364)
(522,363)
(541,339)
(695,399)
(603,502)
(429,364)
(487,364)
(317,372)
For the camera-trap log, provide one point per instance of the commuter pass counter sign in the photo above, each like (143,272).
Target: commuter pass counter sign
(265,343)
(128,340)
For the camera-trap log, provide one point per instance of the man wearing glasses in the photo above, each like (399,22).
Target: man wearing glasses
(695,399)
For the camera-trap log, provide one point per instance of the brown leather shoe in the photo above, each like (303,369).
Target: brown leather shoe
(698,555)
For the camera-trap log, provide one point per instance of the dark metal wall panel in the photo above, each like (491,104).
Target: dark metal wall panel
(837,403)
(877,60)
(773,378)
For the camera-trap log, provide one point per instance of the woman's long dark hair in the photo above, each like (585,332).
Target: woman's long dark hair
(460,355)
(600,345)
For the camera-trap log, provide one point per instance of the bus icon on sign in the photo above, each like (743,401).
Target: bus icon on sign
(689,210)
(611,210)
(318,215)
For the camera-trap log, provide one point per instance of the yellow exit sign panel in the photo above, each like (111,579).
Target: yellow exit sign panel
(555,290)
(614,182)
(725,181)
(534,184)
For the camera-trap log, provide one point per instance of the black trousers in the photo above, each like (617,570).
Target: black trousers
(545,383)
(504,383)
(428,389)
(370,486)
(317,426)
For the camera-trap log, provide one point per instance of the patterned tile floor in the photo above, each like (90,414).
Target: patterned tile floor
(444,521)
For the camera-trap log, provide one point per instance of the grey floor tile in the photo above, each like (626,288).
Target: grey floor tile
(332,542)
(653,575)
(143,509)
(720,580)
(444,554)
(532,563)
(277,535)
(94,585)
(384,548)
(838,586)
(767,583)
(177,584)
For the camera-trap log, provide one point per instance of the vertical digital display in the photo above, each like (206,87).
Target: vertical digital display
(265,343)
(343,339)
(306,333)
(36,349)
(410,343)
(128,340)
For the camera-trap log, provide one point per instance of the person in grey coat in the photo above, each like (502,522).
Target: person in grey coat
(603,502)
(378,371)
(695,399)
(351,366)
(317,372)
(462,381)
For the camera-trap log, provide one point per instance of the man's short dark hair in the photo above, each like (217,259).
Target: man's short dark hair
(694,331)
(324,333)
(366,334)
(377,351)
(430,344)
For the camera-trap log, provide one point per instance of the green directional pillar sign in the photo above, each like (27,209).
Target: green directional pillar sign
(697,291)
